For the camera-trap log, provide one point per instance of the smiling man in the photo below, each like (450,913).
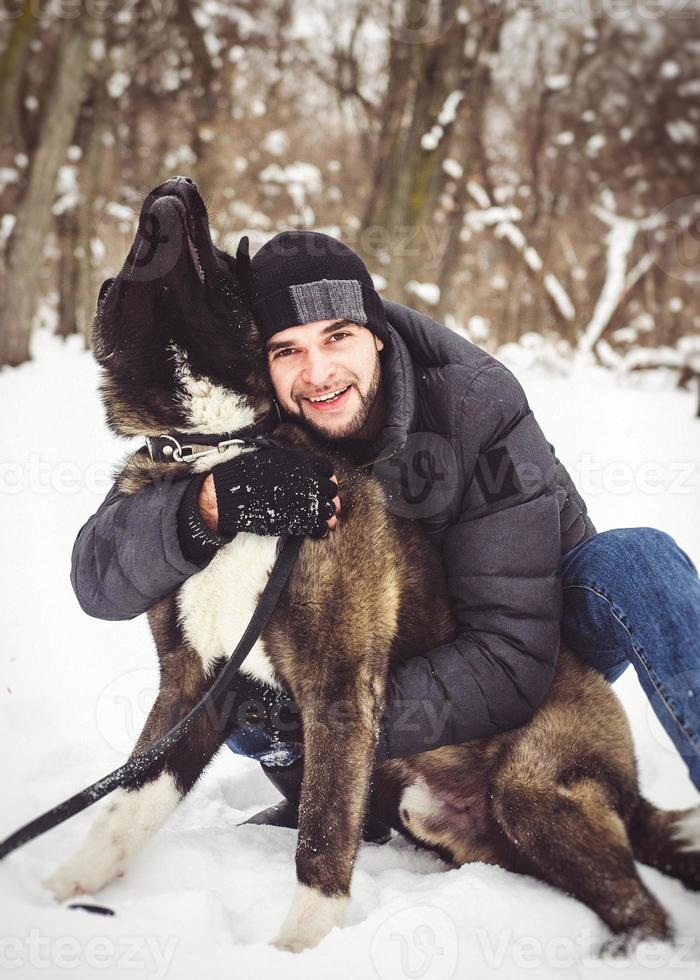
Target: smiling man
(329,374)
(324,326)
(449,430)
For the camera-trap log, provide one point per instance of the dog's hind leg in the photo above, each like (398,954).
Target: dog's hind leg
(136,812)
(668,840)
(573,837)
(438,800)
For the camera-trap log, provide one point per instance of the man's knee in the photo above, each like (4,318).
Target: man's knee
(640,539)
(640,557)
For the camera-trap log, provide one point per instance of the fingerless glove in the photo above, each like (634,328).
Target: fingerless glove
(275,492)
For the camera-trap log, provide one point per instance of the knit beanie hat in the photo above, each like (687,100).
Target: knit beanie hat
(302,276)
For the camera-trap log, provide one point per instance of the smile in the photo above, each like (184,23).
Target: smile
(330,398)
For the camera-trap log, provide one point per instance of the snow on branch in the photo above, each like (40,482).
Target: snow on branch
(503,222)
(620,240)
(448,114)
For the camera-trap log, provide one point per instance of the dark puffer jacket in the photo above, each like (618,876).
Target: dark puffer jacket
(475,469)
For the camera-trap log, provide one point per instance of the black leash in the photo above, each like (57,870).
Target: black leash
(144,760)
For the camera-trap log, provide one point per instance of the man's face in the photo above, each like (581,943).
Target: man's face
(319,359)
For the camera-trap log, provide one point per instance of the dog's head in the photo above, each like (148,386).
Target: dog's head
(173,332)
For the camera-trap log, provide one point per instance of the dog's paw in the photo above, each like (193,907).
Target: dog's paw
(625,945)
(75,877)
(290,945)
(310,919)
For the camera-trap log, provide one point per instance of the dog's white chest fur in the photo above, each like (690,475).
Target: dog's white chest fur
(216,604)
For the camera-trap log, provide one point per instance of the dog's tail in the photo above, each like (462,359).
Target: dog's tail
(668,840)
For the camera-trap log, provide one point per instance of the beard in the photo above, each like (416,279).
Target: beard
(346,435)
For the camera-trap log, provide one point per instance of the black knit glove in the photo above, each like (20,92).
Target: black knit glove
(274,492)
(198,542)
(269,710)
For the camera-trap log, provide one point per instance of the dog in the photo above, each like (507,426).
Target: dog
(557,798)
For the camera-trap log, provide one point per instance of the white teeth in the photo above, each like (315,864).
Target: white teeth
(329,396)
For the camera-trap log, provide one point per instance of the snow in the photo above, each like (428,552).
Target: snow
(7,223)
(560,296)
(447,115)
(98,49)
(688,89)
(177,160)
(502,219)
(682,131)
(119,211)
(595,144)
(452,168)
(486,217)
(427,292)
(206,896)
(479,328)
(118,83)
(300,179)
(276,142)
(555,83)
(565,138)
(619,240)
(670,69)
(67,189)
(8,175)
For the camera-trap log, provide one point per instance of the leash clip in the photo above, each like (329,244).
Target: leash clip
(168,449)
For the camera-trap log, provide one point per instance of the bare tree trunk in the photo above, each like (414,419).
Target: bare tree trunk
(67,231)
(20,268)
(77,286)
(470,156)
(432,87)
(91,176)
(11,73)
(400,87)
(422,75)
(204,102)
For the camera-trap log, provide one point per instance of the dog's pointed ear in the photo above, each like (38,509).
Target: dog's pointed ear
(243,266)
(104,290)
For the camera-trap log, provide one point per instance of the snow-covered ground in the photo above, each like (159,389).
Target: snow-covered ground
(206,896)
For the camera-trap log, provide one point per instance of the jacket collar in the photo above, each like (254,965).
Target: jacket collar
(400,397)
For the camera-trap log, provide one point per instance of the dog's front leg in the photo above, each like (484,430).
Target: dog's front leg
(137,811)
(340,726)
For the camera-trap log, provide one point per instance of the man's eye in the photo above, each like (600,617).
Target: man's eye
(340,334)
(281,353)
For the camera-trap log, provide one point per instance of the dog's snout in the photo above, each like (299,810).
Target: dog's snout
(187,180)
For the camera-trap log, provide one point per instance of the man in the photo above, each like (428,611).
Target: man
(449,431)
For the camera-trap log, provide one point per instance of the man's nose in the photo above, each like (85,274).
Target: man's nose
(317,369)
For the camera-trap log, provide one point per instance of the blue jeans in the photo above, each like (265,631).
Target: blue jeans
(255,744)
(631,595)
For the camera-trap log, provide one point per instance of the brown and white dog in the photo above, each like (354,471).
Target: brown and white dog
(557,798)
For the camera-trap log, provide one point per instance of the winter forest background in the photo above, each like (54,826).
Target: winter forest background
(524,171)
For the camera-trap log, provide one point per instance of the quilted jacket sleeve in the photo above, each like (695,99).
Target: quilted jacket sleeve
(501,560)
(128,555)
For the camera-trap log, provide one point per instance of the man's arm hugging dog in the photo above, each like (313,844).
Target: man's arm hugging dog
(419,633)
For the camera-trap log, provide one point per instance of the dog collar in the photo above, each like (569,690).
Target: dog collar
(186,447)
